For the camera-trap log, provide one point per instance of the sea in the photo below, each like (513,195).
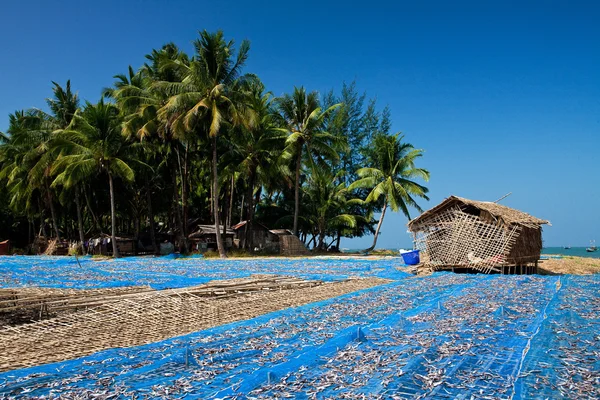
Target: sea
(573,251)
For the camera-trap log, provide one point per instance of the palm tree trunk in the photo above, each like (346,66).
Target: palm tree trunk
(97,225)
(52,212)
(321,240)
(249,211)
(184,196)
(43,228)
(79,219)
(178,216)
(151,216)
(242,209)
(378,227)
(215,197)
(230,211)
(113,222)
(297,192)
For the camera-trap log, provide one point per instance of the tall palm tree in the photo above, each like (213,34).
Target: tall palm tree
(391,175)
(304,120)
(63,106)
(32,155)
(31,140)
(329,201)
(93,143)
(140,95)
(255,149)
(206,101)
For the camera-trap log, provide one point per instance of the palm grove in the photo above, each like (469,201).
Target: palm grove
(195,138)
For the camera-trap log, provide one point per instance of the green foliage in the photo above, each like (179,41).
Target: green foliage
(194,139)
(390,176)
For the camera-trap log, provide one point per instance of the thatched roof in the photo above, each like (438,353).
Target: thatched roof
(209,230)
(509,216)
(254,225)
(281,232)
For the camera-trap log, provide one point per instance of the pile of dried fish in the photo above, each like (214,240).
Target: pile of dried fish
(468,343)
(217,358)
(446,335)
(168,272)
(564,359)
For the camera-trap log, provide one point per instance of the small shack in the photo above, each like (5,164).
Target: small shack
(480,236)
(5,248)
(102,245)
(262,237)
(205,237)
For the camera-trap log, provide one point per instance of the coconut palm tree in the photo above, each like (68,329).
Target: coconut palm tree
(140,95)
(206,102)
(31,141)
(93,143)
(255,149)
(329,203)
(31,156)
(391,175)
(304,121)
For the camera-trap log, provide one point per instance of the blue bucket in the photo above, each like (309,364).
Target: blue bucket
(411,257)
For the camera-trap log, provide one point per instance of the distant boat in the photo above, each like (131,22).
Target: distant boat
(567,247)
(592,247)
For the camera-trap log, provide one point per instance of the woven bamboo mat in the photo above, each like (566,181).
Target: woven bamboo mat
(150,316)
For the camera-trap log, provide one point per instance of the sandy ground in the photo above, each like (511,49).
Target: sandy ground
(570,265)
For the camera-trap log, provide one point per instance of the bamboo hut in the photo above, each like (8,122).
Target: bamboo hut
(262,237)
(205,237)
(477,236)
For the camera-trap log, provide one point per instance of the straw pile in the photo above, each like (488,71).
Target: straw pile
(570,265)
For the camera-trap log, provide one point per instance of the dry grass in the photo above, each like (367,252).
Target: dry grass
(570,265)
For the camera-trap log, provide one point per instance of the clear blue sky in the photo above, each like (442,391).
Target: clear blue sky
(503,96)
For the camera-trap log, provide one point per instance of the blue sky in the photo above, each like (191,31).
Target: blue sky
(503,96)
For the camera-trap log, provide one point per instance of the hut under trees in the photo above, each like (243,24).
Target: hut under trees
(259,237)
(205,237)
(480,236)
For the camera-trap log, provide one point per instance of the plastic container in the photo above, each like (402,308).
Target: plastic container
(411,257)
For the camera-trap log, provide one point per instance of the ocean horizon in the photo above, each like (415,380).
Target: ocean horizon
(573,251)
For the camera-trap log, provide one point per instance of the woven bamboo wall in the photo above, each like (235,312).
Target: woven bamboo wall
(527,248)
(454,238)
(290,245)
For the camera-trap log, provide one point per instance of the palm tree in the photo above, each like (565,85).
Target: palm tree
(63,107)
(255,149)
(390,175)
(205,102)
(31,140)
(31,151)
(329,202)
(93,143)
(304,120)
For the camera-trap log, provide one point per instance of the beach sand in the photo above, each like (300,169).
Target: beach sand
(570,265)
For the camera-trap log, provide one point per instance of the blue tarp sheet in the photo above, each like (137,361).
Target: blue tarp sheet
(443,336)
(170,272)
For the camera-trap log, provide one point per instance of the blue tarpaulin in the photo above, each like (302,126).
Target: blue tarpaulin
(442,336)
